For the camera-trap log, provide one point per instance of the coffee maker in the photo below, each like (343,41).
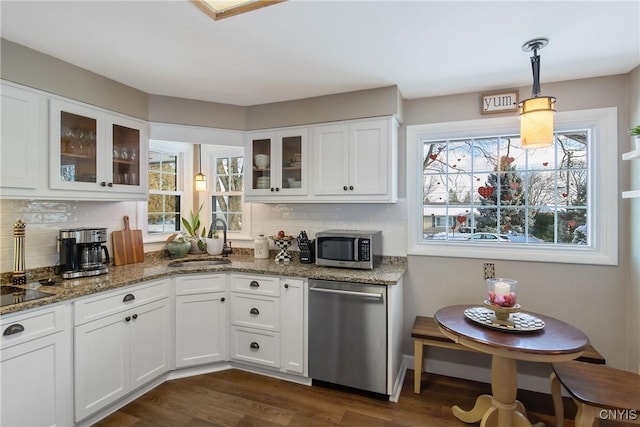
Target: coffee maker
(81,252)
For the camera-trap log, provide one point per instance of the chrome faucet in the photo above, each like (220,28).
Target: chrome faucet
(226,249)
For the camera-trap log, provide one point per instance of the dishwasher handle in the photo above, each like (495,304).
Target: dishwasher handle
(353,293)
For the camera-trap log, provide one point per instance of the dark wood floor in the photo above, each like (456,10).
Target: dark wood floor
(237,398)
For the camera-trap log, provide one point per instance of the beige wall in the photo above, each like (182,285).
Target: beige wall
(28,67)
(545,287)
(166,109)
(634,207)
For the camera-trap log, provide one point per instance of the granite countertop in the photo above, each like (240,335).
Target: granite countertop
(387,273)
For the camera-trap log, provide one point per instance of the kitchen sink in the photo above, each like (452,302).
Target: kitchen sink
(198,262)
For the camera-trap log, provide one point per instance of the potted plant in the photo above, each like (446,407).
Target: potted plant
(192,228)
(214,242)
(635,132)
(178,246)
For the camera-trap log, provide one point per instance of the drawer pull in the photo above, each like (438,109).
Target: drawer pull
(254,284)
(128,297)
(222,299)
(254,311)
(13,329)
(286,286)
(135,316)
(254,345)
(127,319)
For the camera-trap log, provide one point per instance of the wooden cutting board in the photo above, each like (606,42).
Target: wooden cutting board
(127,245)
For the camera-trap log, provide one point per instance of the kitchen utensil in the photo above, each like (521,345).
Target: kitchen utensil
(127,245)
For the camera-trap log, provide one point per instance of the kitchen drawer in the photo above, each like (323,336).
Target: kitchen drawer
(200,283)
(260,347)
(105,304)
(256,284)
(35,324)
(255,312)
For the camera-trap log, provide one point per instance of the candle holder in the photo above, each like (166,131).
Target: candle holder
(501,298)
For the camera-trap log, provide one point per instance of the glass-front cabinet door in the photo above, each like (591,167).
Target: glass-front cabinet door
(278,162)
(75,144)
(96,151)
(127,154)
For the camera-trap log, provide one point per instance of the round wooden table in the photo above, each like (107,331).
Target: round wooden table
(556,342)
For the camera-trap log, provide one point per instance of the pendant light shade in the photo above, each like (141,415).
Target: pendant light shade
(536,113)
(201,179)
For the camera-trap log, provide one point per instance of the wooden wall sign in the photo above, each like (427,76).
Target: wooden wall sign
(499,102)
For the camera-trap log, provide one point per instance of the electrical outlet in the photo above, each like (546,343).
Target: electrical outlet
(489,270)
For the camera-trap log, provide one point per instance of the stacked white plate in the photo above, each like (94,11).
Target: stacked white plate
(263,182)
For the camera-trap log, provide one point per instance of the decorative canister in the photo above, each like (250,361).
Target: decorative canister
(261,247)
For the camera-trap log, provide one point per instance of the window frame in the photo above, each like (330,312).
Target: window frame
(183,151)
(209,155)
(603,190)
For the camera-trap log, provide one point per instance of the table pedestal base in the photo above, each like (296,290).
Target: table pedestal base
(502,409)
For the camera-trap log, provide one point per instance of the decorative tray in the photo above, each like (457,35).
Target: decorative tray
(519,322)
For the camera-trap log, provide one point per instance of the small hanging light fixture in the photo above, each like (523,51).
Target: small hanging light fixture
(201,179)
(536,113)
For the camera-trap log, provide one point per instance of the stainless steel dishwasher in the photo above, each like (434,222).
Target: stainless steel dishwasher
(348,334)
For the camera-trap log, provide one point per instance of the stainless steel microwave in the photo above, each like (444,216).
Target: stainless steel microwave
(361,249)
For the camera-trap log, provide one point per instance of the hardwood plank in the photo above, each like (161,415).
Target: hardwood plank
(236,398)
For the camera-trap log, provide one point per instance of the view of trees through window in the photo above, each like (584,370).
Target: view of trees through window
(491,189)
(227,196)
(163,207)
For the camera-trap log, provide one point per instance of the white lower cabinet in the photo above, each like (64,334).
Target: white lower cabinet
(201,319)
(294,326)
(268,322)
(36,368)
(119,352)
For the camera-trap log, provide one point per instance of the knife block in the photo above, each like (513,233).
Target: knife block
(307,252)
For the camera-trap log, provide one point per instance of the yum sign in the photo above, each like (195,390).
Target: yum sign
(499,102)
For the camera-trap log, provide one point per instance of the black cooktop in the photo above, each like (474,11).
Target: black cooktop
(14,295)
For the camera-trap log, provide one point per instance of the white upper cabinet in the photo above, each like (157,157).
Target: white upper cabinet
(277,165)
(96,151)
(23,129)
(356,161)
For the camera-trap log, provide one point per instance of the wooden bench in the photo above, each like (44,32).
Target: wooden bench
(600,392)
(425,332)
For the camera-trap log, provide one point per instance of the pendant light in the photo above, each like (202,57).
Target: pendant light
(201,179)
(536,113)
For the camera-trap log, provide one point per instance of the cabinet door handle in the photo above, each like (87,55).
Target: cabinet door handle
(254,345)
(127,319)
(277,188)
(128,297)
(273,189)
(254,284)
(13,329)
(345,188)
(104,184)
(351,187)
(254,311)
(286,286)
(135,316)
(110,184)
(222,299)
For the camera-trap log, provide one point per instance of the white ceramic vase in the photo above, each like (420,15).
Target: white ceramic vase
(214,246)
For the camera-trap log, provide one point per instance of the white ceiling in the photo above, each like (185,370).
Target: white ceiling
(300,49)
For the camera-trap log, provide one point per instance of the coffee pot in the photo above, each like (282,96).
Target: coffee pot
(83,252)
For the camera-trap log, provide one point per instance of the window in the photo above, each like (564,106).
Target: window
(475,187)
(163,207)
(226,168)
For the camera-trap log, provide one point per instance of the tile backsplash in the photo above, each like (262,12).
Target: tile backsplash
(44,219)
